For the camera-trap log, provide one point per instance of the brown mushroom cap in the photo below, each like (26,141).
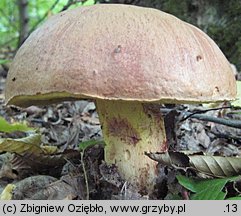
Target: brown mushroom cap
(118,52)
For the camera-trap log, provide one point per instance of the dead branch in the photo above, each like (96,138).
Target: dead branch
(23,21)
(228,122)
(197,115)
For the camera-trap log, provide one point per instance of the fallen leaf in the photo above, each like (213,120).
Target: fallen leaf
(6,170)
(7,193)
(26,188)
(216,166)
(29,144)
(49,149)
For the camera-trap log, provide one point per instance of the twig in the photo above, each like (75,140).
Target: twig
(44,16)
(69,3)
(204,111)
(197,115)
(227,122)
(225,136)
(72,2)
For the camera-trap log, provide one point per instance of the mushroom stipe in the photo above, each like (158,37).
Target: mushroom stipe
(131,128)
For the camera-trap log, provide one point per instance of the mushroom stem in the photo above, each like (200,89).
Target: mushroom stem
(129,129)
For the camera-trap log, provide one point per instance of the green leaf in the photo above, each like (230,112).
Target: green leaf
(4,61)
(188,183)
(234,198)
(89,2)
(237,103)
(86,144)
(210,189)
(8,128)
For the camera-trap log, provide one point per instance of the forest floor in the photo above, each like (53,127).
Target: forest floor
(75,174)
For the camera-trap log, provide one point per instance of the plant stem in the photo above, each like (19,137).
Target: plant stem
(85,175)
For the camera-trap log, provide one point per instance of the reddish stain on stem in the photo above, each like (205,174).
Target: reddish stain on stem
(122,128)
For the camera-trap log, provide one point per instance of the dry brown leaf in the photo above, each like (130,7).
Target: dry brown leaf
(57,190)
(27,187)
(6,170)
(110,174)
(28,163)
(14,166)
(216,166)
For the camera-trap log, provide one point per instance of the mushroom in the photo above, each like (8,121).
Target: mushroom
(128,59)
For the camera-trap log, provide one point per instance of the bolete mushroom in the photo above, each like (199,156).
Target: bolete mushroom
(128,59)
